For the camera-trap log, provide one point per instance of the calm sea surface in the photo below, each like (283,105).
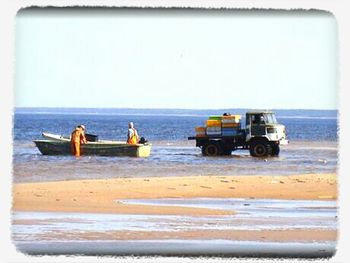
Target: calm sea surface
(312,149)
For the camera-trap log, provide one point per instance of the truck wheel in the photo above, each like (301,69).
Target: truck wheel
(275,150)
(259,149)
(211,149)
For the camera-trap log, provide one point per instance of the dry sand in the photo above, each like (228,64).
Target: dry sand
(99,196)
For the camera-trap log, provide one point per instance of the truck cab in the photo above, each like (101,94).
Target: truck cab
(263,133)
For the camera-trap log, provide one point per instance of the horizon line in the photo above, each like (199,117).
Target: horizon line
(147,108)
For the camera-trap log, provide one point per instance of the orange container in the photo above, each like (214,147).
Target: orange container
(213,123)
(200,131)
(236,117)
(230,125)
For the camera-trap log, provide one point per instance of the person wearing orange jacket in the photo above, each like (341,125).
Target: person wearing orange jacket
(77,138)
(133,137)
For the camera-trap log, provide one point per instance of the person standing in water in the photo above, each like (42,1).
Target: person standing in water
(133,137)
(77,138)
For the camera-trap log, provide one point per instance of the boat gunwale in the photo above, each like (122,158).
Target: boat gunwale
(105,143)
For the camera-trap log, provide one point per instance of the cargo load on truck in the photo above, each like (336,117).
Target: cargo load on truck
(220,125)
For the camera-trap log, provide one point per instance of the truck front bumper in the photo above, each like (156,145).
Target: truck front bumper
(284,142)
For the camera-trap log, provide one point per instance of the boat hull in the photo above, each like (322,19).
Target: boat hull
(51,147)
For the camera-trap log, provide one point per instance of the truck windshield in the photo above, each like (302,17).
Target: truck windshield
(270,118)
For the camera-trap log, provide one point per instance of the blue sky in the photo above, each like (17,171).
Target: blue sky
(176,59)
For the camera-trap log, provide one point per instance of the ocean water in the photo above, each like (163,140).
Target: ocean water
(313,147)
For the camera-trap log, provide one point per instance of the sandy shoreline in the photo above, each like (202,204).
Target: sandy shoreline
(99,196)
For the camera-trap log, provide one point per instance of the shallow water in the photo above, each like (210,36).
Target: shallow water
(313,147)
(254,208)
(257,214)
(173,159)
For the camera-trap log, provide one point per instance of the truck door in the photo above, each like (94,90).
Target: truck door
(257,125)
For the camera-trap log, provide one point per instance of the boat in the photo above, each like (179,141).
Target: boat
(53,144)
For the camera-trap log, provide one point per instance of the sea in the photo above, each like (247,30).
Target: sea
(312,148)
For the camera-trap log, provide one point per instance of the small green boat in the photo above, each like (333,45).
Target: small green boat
(59,145)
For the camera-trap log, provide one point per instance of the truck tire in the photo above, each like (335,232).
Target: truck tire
(260,149)
(211,149)
(275,150)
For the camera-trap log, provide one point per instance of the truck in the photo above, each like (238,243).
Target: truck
(262,136)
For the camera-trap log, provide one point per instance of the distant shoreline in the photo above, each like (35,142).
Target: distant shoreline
(173,110)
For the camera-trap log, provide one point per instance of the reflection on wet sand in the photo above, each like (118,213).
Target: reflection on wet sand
(258,220)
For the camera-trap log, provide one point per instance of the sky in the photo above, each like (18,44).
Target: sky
(189,59)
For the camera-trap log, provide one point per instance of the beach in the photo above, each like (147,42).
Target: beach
(101,195)
(108,197)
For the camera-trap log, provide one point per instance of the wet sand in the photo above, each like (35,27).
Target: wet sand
(110,196)
(283,236)
(99,196)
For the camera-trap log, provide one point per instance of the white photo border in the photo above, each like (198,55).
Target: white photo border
(8,11)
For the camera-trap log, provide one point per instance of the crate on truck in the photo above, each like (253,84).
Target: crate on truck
(222,134)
